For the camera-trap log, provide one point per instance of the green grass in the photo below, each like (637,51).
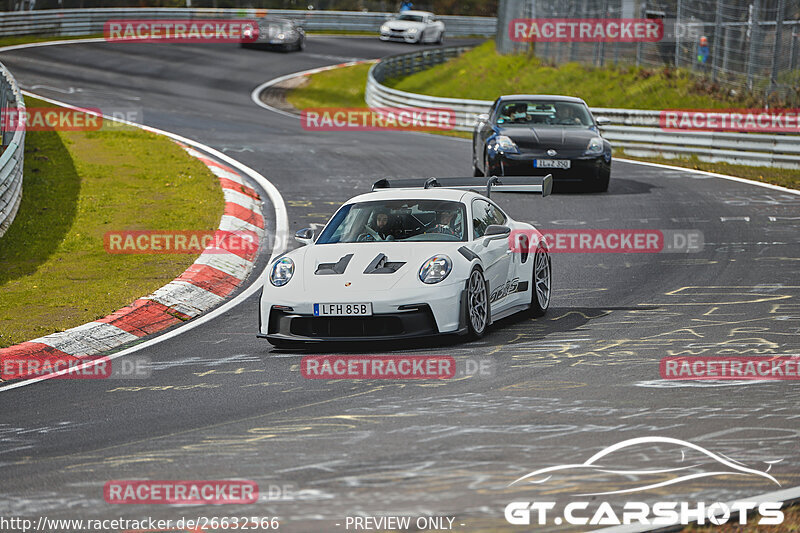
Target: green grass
(785,177)
(341,87)
(344,87)
(491,74)
(54,270)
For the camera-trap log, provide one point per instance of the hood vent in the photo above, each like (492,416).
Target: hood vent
(381,265)
(338,267)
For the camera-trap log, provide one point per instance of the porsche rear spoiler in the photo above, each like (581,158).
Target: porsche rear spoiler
(543,185)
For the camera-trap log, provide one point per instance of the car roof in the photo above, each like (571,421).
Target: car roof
(553,97)
(414,12)
(434,193)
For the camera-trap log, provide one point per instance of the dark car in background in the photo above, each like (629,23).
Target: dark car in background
(277,34)
(525,135)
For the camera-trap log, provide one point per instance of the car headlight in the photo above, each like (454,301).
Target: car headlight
(384,29)
(505,144)
(413,31)
(248,32)
(281,36)
(435,269)
(281,272)
(595,146)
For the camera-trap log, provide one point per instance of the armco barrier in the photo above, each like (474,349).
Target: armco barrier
(13,146)
(65,22)
(637,132)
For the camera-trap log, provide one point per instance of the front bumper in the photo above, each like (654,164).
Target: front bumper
(585,169)
(401,37)
(421,313)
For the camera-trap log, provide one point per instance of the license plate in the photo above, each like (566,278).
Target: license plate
(551,163)
(351,309)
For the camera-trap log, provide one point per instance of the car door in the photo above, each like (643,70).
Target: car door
(494,253)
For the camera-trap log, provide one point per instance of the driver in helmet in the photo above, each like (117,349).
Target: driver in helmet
(445,223)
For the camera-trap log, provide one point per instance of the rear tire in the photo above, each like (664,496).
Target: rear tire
(541,282)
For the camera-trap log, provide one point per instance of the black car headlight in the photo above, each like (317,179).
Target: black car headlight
(435,269)
(504,143)
(595,146)
(281,272)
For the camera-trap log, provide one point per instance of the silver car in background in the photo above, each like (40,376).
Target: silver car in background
(413,27)
(278,34)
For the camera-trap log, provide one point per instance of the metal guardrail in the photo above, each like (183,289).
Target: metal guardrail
(637,132)
(66,22)
(13,146)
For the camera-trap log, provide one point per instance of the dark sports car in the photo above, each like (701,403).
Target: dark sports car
(525,135)
(277,33)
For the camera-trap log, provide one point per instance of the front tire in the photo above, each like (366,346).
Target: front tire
(477,304)
(440,40)
(603,181)
(541,282)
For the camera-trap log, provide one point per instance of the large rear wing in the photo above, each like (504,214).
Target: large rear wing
(543,185)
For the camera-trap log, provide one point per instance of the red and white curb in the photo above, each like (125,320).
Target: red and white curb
(214,275)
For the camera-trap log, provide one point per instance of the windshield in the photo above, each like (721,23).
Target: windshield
(544,113)
(412,18)
(396,220)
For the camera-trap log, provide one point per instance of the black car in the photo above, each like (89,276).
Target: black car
(525,135)
(277,33)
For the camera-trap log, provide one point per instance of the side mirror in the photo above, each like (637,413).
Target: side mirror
(304,236)
(603,121)
(495,232)
(483,117)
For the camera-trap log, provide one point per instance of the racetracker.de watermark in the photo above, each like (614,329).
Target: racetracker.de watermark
(580,30)
(378,367)
(180,31)
(240,242)
(731,368)
(69,367)
(746,120)
(180,492)
(620,241)
(66,119)
(377,118)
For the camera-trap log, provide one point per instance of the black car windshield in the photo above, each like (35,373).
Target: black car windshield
(543,113)
(412,18)
(396,220)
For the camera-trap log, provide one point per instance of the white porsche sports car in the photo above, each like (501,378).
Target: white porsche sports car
(413,27)
(410,260)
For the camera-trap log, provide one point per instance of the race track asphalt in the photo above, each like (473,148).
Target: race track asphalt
(222,404)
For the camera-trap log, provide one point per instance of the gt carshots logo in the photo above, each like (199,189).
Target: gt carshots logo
(660,513)
(603,469)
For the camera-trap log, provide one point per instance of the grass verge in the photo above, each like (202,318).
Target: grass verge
(344,87)
(54,270)
(491,74)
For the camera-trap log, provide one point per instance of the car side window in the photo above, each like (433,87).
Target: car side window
(484,215)
(499,217)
